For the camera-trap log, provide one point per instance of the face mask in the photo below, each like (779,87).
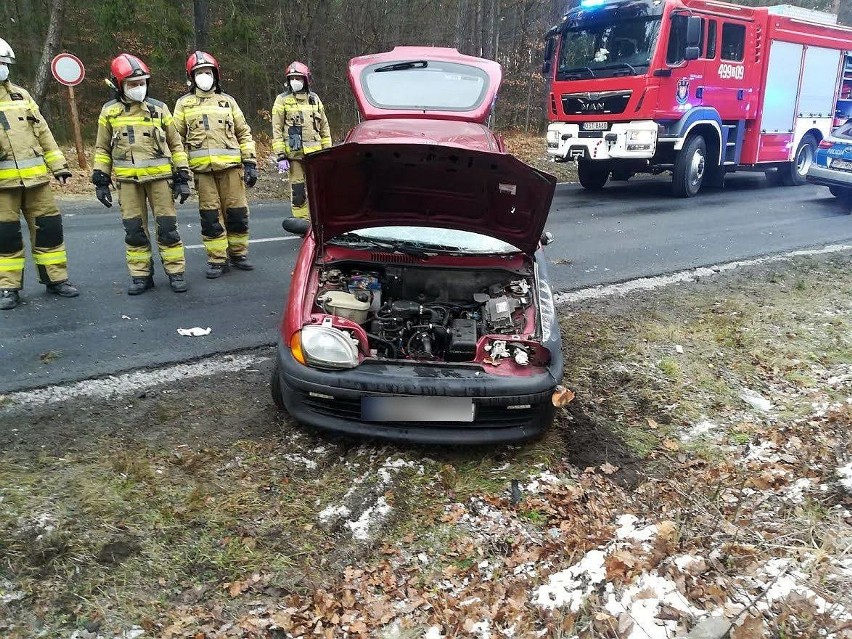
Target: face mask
(204,81)
(296,85)
(137,94)
(4,72)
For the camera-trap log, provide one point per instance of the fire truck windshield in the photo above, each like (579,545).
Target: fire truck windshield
(607,49)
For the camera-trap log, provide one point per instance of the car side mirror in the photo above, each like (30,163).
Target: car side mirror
(691,53)
(549,47)
(547,238)
(296,225)
(693,32)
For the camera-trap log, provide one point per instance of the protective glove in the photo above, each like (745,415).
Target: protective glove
(283,166)
(180,186)
(102,181)
(63,175)
(250,173)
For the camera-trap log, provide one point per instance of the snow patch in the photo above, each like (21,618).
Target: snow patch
(627,529)
(370,520)
(845,474)
(641,601)
(755,400)
(571,587)
(701,428)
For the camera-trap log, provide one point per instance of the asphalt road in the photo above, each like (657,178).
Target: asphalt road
(629,230)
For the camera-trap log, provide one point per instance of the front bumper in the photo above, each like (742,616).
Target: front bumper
(829,177)
(568,141)
(331,400)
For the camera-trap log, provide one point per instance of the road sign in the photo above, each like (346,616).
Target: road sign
(68,70)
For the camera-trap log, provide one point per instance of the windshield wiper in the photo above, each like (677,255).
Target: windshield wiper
(403,66)
(353,239)
(576,71)
(620,64)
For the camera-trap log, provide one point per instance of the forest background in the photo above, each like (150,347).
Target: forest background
(255,39)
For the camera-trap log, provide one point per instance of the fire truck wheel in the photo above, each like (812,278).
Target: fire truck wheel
(795,173)
(690,167)
(593,175)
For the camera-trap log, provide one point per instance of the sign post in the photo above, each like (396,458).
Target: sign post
(69,70)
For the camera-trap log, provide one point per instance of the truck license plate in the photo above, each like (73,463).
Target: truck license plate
(594,126)
(841,165)
(417,409)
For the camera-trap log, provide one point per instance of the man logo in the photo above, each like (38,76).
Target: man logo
(592,106)
(682,94)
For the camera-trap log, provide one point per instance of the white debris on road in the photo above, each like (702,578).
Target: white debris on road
(195,331)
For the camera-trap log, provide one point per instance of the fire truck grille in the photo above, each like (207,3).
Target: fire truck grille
(602,103)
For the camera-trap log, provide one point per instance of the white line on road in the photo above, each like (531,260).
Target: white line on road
(129,383)
(257,241)
(652,283)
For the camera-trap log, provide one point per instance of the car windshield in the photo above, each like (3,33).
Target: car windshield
(424,239)
(425,85)
(606,49)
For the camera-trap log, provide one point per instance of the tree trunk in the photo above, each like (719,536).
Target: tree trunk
(51,46)
(844,12)
(200,13)
(460,22)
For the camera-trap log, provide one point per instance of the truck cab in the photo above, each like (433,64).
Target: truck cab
(687,86)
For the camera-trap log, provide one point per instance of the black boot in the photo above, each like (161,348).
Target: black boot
(241,262)
(63,289)
(215,270)
(139,285)
(177,282)
(9,299)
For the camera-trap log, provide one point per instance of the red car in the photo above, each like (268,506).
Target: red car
(419,308)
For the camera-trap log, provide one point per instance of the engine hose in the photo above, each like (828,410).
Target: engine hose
(390,345)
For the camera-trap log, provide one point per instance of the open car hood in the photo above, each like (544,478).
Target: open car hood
(356,186)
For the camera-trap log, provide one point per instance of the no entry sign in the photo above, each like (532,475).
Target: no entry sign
(68,70)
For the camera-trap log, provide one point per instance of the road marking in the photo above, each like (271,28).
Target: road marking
(691,275)
(258,241)
(129,383)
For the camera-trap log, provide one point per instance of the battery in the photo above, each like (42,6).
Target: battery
(462,340)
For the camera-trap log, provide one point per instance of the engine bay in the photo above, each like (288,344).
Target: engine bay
(434,314)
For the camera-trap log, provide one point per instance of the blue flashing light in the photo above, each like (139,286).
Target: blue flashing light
(592,3)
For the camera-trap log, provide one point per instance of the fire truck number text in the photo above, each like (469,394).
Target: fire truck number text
(731,71)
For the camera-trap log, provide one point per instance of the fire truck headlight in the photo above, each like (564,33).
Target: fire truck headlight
(553,136)
(640,137)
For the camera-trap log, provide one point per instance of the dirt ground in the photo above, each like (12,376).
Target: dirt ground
(702,475)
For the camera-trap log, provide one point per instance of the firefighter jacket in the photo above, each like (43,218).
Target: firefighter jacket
(214,131)
(28,152)
(299,125)
(139,141)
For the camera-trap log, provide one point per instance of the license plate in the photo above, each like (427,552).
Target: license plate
(594,126)
(841,165)
(417,409)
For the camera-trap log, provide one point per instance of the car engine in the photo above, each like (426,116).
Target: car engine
(433,316)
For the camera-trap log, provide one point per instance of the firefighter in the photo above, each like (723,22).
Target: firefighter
(28,155)
(137,139)
(222,157)
(299,127)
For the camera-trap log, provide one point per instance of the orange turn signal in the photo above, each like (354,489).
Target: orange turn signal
(296,347)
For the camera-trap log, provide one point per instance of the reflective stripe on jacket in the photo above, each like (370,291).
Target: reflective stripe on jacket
(304,113)
(214,131)
(139,141)
(28,152)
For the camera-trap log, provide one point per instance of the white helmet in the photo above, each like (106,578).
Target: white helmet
(6,54)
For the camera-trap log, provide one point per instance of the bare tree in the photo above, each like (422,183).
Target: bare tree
(844,12)
(50,48)
(200,15)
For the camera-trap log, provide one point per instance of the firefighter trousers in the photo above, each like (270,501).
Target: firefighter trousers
(224,213)
(134,198)
(46,239)
(298,194)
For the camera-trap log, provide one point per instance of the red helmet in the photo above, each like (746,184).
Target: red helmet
(127,67)
(299,68)
(201,60)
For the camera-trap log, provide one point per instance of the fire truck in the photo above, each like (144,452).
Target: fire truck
(695,87)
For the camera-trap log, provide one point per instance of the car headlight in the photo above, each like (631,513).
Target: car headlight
(640,136)
(325,347)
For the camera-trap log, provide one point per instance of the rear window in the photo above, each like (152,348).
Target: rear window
(424,85)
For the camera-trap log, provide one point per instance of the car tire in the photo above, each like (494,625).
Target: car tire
(795,173)
(275,387)
(592,175)
(690,167)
